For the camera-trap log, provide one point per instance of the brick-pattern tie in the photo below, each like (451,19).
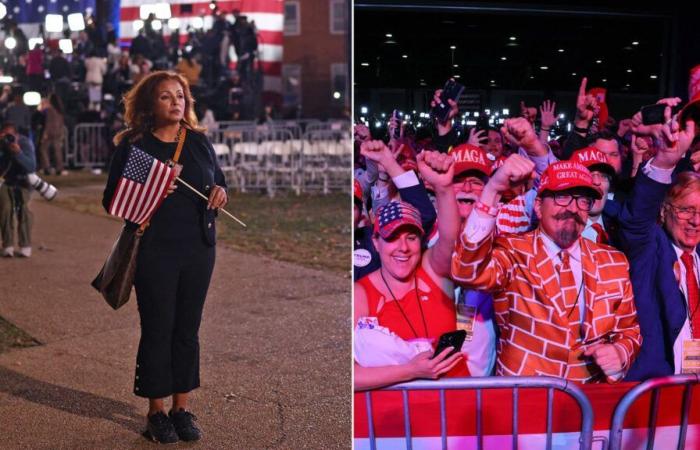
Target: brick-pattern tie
(567,281)
(569,293)
(691,283)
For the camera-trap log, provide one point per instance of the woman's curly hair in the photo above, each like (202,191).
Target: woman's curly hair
(139,105)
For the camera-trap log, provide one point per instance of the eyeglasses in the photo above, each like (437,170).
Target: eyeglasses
(684,213)
(472,181)
(583,202)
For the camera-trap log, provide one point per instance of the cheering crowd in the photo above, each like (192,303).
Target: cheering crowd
(573,258)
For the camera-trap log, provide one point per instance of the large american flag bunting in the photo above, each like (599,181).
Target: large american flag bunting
(268,16)
(30,14)
(141,188)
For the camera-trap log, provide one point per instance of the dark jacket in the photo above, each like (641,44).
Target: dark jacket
(660,305)
(14,168)
(182,215)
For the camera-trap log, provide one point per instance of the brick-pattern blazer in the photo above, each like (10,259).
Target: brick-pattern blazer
(536,336)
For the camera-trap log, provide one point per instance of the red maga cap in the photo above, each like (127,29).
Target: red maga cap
(470,157)
(692,109)
(564,175)
(593,159)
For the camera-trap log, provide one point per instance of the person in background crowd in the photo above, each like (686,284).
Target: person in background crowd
(19,114)
(139,68)
(17,159)
(206,117)
(95,70)
(59,67)
(53,136)
(189,68)
(601,227)
(35,67)
(472,169)
(552,289)
(141,45)
(664,256)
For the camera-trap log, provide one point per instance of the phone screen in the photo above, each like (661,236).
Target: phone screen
(653,114)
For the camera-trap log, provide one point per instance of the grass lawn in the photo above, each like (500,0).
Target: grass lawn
(12,337)
(311,230)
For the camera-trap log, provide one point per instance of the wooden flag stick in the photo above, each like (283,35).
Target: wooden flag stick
(205,198)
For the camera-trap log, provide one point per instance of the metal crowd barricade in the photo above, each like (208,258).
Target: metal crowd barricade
(67,149)
(654,385)
(90,145)
(235,144)
(480,383)
(326,159)
(331,125)
(279,156)
(282,156)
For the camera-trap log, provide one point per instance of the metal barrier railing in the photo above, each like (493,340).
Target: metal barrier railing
(480,383)
(301,156)
(90,145)
(654,385)
(325,159)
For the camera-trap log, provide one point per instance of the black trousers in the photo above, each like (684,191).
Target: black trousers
(171,284)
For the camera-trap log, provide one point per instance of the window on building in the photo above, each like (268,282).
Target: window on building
(339,16)
(292,18)
(339,82)
(291,85)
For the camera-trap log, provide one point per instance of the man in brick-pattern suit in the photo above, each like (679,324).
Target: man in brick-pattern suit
(563,304)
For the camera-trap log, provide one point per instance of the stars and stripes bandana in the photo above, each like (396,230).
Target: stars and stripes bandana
(141,188)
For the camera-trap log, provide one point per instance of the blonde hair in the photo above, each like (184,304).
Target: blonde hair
(139,104)
(687,183)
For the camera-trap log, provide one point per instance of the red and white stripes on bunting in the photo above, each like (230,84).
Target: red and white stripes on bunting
(268,16)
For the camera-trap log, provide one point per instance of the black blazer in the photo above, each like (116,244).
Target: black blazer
(199,151)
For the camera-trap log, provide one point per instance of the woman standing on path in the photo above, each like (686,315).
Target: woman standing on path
(176,254)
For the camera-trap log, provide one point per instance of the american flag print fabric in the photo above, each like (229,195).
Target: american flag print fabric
(396,210)
(395,214)
(141,188)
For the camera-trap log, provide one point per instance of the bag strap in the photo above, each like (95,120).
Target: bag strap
(180,142)
(181,134)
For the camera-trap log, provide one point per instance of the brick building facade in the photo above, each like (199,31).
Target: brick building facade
(315,71)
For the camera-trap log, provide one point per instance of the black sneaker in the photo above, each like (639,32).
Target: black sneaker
(159,428)
(184,425)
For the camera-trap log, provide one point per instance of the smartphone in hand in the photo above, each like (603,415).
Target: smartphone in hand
(653,114)
(451,91)
(453,339)
(397,121)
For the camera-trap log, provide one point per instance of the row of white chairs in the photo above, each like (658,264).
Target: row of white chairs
(297,156)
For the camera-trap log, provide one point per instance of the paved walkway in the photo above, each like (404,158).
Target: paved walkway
(275,359)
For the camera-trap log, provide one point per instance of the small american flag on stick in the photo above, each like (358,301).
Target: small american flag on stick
(141,187)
